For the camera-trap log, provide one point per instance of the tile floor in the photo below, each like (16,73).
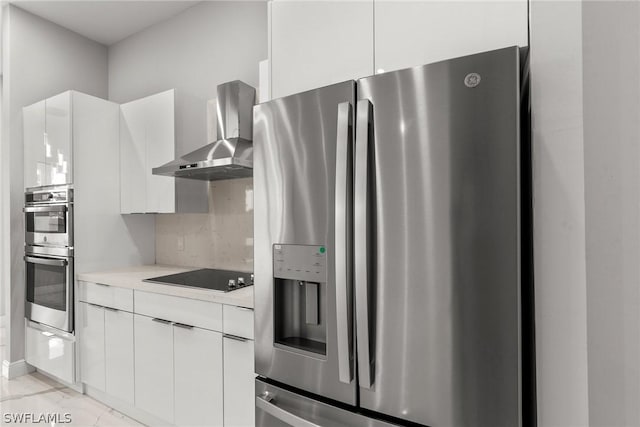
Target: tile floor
(36,394)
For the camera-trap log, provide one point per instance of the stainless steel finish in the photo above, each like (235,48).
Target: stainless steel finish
(268,404)
(294,204)
(343,242)
(182,325)
(55,251)
(362,243)
(277,407)
(48,208)
(157,319)
(231,156)
(234,337)
(58,319)
(53,199)
(311,295)
(445,238)
(48,194)
(235,110)
(47,261)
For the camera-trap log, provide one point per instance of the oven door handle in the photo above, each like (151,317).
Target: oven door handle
(50,208)
(46,261)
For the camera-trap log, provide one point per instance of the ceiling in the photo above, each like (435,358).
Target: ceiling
(106,22)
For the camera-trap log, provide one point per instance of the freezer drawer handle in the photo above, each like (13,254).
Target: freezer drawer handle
(343,207)
(267,403)
(362,240)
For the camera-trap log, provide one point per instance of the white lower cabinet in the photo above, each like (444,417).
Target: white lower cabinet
(92,361)
(154,366)
(118,354)
(239,382)
(50,350)
(198,376)
(196,373)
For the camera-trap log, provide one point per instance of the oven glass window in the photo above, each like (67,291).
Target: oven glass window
(46,285)
(46,222)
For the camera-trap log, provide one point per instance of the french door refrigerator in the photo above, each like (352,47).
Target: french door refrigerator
(388,249)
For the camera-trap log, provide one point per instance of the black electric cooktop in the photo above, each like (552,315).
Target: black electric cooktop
(207,278)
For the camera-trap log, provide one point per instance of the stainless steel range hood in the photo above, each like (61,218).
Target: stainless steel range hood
(231,155)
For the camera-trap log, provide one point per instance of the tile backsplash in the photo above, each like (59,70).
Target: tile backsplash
(223,238)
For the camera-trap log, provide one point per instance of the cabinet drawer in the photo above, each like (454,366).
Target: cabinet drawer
(238,321)
(50,352)
(203,314)
(105,295)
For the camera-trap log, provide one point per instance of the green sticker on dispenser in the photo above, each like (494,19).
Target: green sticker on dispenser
(322,249)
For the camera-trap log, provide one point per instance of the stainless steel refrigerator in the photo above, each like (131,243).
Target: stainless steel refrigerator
(388,249)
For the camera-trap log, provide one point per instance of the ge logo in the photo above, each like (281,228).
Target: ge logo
(472,80)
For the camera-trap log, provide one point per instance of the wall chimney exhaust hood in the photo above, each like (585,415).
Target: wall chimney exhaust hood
(231,155)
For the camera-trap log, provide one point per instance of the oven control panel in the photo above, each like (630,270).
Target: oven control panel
(49,195)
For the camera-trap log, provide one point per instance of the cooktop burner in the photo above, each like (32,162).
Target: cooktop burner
(207,278)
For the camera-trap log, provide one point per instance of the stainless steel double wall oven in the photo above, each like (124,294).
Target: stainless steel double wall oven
(49,270)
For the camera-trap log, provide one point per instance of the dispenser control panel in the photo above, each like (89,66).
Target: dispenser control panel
(300,262)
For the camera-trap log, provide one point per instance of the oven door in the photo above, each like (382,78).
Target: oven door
(49,283)
(49,225)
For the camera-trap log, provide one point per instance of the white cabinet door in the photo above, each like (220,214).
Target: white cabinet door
(58,140)
(147,140)
(119,354)
(411,33)
(154,367)
(317,43)
(198,377)
(159,112)
(33,119)
(133,158)
(239,382)
(91,331)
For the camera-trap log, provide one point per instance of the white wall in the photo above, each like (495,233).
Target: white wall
(559,213)
(193,52)
(611,58)
(40,59)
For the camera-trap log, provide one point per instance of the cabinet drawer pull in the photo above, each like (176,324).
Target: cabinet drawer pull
(182,325)
(234,337)
(165,322)
(243,308)
(100,284)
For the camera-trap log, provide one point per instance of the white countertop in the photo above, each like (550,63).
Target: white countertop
(132,278)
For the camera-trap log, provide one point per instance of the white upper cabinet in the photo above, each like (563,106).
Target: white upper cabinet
(47,127)
(411,33)
(58,140)
(161,143)
(317,43)
(147,140)
(133,149)
(34,155)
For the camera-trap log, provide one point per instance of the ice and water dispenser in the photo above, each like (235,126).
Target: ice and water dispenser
(300,295)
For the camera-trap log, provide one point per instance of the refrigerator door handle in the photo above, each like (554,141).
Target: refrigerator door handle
(362,242)
(343,208)
(267,403)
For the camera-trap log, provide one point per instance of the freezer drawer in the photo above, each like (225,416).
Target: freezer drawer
(276,407)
